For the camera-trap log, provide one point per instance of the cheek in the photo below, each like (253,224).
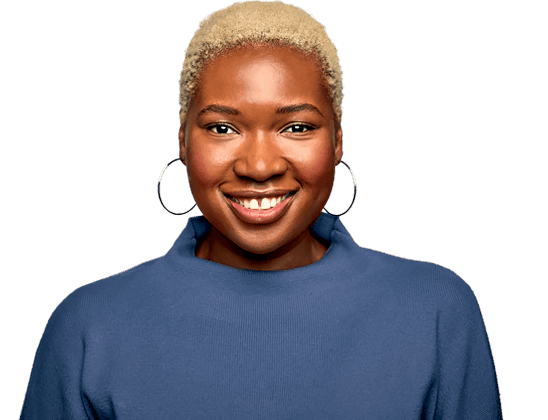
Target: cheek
(317,165)
(206,165)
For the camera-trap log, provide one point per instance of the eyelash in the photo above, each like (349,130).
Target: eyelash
(306,127)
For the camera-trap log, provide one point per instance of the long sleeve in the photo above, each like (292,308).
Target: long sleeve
(53,392)
(468,388)
(357,335)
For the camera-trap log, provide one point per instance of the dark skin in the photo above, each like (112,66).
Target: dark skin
(261,125)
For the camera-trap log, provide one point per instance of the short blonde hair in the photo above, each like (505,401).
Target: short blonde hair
(254,22)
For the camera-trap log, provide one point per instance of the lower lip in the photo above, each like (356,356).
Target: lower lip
(260,216)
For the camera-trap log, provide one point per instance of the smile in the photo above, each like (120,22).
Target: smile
(260,209)
(260,203)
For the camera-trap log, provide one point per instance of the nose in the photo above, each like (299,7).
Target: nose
(260,158)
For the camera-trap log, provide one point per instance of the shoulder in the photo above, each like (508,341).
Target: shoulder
(418,281)
(98,301)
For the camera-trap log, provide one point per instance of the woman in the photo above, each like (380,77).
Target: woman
(265,307)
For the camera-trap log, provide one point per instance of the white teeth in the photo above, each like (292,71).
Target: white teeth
(261,203)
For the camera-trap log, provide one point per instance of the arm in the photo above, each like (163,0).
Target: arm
(54,387)
(468,387)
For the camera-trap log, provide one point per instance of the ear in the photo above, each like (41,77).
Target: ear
(338,144)
(182,148)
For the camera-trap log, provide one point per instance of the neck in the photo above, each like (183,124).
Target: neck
(303,250)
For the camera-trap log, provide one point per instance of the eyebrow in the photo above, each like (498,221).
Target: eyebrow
(289,109)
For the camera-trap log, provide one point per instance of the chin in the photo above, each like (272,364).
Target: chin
(259,249)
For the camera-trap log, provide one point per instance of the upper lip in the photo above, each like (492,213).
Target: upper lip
(257,193)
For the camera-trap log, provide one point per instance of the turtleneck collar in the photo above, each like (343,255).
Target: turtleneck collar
(335,261)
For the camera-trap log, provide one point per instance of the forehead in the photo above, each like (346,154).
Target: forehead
(261,75)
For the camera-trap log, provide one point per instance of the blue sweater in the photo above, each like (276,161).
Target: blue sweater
(357,335)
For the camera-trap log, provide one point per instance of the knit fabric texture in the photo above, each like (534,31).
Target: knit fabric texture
(358,334)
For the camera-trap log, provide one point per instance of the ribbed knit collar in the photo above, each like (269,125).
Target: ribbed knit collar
(337,259)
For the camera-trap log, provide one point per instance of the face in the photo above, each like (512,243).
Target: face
(261,144)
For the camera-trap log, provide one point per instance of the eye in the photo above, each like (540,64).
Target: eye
(298,128)
(221,129)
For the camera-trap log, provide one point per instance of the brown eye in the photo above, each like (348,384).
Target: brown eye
(221,129)
(298,128)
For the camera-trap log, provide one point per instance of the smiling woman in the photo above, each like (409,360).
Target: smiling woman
(261,142)
(265,307)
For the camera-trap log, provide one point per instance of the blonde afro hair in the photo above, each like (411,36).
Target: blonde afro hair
(255,22)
